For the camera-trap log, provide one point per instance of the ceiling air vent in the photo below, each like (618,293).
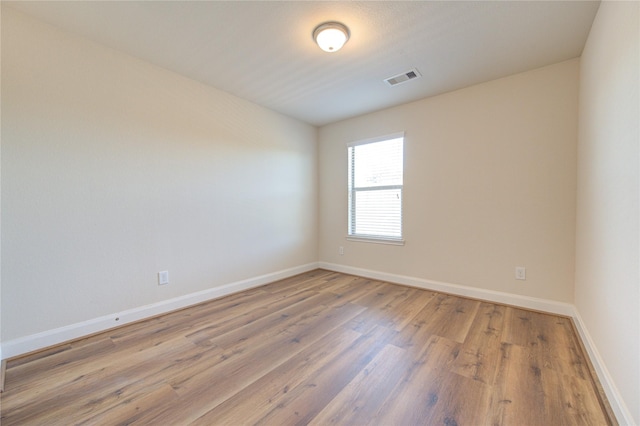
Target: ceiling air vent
(401,78)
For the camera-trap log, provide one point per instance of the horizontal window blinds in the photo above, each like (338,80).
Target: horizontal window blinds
(375,188)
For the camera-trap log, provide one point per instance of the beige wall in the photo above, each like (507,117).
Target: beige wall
(607,293)
(113,170)
(489,185)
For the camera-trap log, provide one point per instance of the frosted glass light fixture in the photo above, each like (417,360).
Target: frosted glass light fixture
(331,36)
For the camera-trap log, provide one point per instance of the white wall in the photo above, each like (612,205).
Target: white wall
(607,293)
(114,169)
(489,185)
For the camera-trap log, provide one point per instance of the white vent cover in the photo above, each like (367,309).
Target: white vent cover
(401,78)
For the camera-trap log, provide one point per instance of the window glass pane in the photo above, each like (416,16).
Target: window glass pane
(378,164)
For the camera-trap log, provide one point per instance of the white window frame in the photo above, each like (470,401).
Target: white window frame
(380,239)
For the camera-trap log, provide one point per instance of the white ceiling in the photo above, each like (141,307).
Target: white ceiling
(263,51)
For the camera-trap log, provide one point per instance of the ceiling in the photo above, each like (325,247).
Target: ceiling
(263,51)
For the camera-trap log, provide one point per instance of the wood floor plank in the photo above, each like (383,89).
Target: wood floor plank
(580,401)
(452,317)
(519,395)
(385,295)
(254,402)
(190,320)
(550,338)
(305,401)
(320,348)
(240,370)
(528,392)
(130,409)
(58,362)
(297,282)
(445,316)
(417,398)
(480,353)
(270,324)
(284,327)
(246,314)
(339,283)
(440,399)
(98,385)
(397,313)
(359,401)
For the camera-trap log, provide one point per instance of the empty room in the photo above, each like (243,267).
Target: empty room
(355,213)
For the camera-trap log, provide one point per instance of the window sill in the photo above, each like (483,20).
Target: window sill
(375,240)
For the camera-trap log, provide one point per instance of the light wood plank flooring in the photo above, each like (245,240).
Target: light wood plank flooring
(319,348)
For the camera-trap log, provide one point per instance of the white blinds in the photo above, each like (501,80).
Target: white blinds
(375,188)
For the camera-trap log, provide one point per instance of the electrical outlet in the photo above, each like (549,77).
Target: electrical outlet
(163,277)
(340,250)
(521,273)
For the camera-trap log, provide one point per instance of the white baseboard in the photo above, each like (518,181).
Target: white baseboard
(544,305)
(622,413)
(618,406)
(56,336)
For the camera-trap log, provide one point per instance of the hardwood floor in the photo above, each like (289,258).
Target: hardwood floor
(320,348)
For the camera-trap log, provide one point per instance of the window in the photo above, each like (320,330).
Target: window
(375,189)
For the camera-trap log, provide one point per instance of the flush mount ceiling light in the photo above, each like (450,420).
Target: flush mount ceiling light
(331,36)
